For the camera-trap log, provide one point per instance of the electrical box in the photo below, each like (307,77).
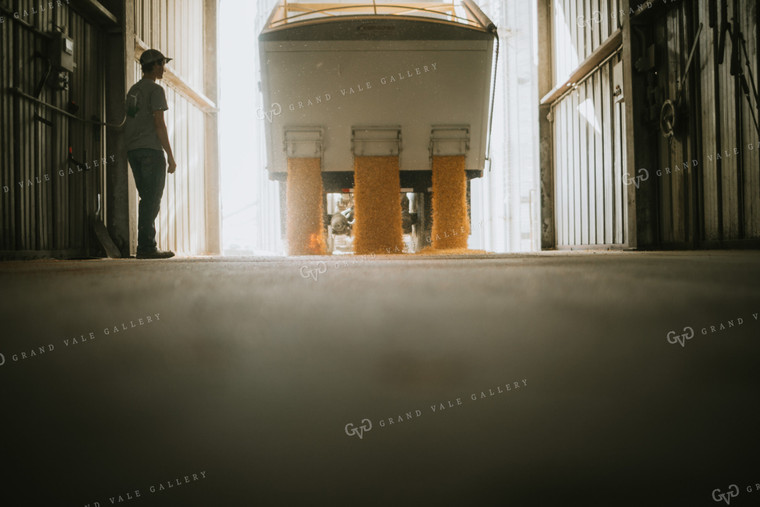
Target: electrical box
(62,52)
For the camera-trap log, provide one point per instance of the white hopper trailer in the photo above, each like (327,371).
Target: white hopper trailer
(378,78)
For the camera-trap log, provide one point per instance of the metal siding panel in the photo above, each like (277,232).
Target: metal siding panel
(665,155)
(560,50)
(577,170)
(729,166)
(164,22)
(676,145)
(176,36)
(574,31)
(179,183)
(586,32)
(155,24)
(596,26)
(170,232)
(557,160)
(6,138)
(138,16)
(750,136)
(186,50)
(598,196)
(190,221)
(171,45)
(176,191)
(191,149)
(566,153)
(162,218)
(583,165)
(172,210)
(591,165)
(565,203)
(607,123)
(707,167)
(193,43)
(180,125)
(200,45)
(618,187)
(198,223)
(562,159)
(27,124)
(559,171)
(623,213)
(588,165)
(573,238)
(146,21)
(193,222)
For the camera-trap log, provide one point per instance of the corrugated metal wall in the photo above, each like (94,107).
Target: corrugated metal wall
(175,27)
(580,27)
(46,200)
(589,129)
(589,159)
(708,178)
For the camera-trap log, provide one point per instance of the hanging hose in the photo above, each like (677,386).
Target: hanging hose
(493,30)
(752,82)
(738,50)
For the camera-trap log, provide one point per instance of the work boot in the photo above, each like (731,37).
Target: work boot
(155,254)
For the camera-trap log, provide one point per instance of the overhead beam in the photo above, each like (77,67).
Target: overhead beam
(601,53)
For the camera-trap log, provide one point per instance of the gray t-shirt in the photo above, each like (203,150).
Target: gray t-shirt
(143,99)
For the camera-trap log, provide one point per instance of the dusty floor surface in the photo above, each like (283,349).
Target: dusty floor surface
(275,380)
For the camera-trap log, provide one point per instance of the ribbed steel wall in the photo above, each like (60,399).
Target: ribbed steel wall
(175,27)
(589,157)
(725,190)
(48,213)
(580,27)
(589,129)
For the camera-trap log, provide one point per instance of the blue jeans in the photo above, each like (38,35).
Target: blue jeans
(149,170)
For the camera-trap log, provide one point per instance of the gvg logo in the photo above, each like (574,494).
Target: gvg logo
(673,337)
(314,273)
(352,430)
(678,337)
(719,496)
(321,268)
(631,180)
(275,111)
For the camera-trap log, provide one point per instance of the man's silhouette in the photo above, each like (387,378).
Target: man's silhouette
(147,139)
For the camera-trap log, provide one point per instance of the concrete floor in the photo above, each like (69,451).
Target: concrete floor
(253,368)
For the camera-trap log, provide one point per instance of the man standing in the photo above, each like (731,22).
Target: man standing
(147,139)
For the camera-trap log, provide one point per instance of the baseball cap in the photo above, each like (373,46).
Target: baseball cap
(153,55)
